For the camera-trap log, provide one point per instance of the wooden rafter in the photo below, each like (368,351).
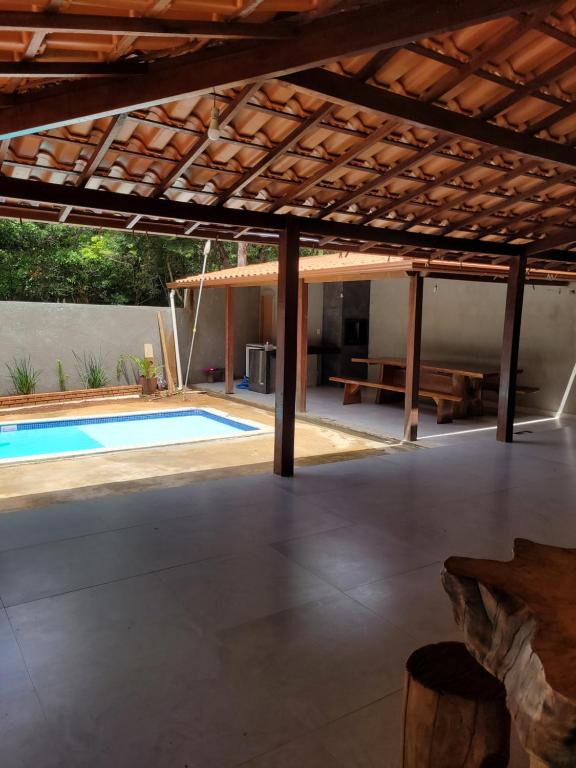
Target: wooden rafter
(317,42)
(336,163)
(101,149)
(284,146)
(444,85)
(46,23)
(346,91)
(513,200)
(320,114)
(18,189)
(403,165)
(62,70)
(203,141)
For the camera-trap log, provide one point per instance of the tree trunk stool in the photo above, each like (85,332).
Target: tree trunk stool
(519,622)
(455,712)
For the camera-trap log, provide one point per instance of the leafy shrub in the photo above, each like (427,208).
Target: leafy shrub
(146,367)
(91,370)
(23,375)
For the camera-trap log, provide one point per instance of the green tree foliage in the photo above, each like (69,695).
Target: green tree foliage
(52,262)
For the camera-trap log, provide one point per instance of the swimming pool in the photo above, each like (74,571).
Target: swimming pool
(48,438)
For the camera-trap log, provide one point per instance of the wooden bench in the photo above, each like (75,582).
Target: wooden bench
(444,400)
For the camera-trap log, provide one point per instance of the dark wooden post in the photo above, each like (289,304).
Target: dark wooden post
(229,343)
(302,346)
(510,346)
(286,351)
(413,341)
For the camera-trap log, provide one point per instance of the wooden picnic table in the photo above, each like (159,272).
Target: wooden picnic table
(462,379)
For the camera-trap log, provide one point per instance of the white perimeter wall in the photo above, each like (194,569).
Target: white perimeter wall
(48,332)
(463,321)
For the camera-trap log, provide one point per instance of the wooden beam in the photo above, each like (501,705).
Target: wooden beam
(310,122)
(514,199)
(440,88)
(413,344)
(500,175)
(350,154)
(229,342)
(140,26)
(286,351)
(392,173)
(302,371)
(136,205)
(317,42)
(444,85)
(347,91)
(510,347)
(99,152)
(4,149)
(65,69)
(551,242)
(320,113)
(202,142)
(544,78)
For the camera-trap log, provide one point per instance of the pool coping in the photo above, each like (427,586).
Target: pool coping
(257,429)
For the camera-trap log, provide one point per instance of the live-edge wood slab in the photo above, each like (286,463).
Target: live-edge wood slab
(519,622)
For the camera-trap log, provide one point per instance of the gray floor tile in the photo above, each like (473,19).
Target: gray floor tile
(50,569)
(349,557)
(223,638)
(26,738)
(224,592)
(414,601)
(14,677)
(368,738)
(326,659)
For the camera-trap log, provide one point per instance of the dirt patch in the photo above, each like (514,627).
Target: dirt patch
(55,480)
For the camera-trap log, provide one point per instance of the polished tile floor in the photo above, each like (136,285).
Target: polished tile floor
(255,622)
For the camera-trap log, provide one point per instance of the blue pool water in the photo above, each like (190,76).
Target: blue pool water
(40,438)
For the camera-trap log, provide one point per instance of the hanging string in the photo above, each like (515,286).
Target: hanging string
(207,247)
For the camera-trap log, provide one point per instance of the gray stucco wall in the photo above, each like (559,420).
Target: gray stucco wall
(209,344)
(48,332)
(315,310)
(463,321)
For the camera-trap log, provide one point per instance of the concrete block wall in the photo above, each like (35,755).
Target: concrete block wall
(48,332)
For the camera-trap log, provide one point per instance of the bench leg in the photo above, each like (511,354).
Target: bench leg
(444,411)
(459,387)
(352,394)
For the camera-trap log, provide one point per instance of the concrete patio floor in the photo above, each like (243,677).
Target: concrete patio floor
(385,421)
(255,621)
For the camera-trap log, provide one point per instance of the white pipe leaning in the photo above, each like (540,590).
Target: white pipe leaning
(176,343)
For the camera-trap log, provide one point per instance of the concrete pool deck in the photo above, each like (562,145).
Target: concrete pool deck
(51,480)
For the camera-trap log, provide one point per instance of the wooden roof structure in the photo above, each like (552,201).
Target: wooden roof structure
(440,130)
(335,267)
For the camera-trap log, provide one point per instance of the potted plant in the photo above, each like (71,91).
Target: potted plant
(148,371)
(214,374)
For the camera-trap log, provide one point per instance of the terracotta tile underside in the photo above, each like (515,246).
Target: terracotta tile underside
(492,71)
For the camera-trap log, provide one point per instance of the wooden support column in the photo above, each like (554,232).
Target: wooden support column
(286,351)
(302,367)
(229,343)
(413,343)
(510,346)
